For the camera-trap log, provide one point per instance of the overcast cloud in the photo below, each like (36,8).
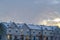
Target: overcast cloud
(29,11)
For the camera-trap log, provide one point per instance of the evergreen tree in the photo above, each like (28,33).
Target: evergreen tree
(1,29)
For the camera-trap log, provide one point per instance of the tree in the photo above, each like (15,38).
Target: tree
(1,29)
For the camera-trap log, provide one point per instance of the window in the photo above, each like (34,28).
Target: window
(52,27)
(15,37)
(34,38)
(57,31)
(47,38)
(16,31)
(50,33)
(0,37)
(39,32)
(10,27)
(22,37)
(9,37)
(45,32)
(21,30)
(7,25)
(45,28)
(51,37)
(27,32)
(33,32)
(9,30)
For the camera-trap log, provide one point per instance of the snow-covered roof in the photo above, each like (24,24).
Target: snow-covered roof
(20,25)
(10,24)
(31,26)
(6,24)
(48,27)
(43,27)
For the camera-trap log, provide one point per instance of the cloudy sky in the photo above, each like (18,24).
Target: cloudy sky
(29,11)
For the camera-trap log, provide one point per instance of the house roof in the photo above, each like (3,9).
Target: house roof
(48,27)
(39,27)
(19,25)
(6,24)
(10,24)
(31,26)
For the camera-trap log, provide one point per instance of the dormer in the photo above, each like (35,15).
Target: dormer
(12,25)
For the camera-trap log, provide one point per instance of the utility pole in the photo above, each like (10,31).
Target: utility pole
(30,34)
(42,32)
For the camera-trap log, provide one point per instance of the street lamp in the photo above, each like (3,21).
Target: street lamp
(8,36)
